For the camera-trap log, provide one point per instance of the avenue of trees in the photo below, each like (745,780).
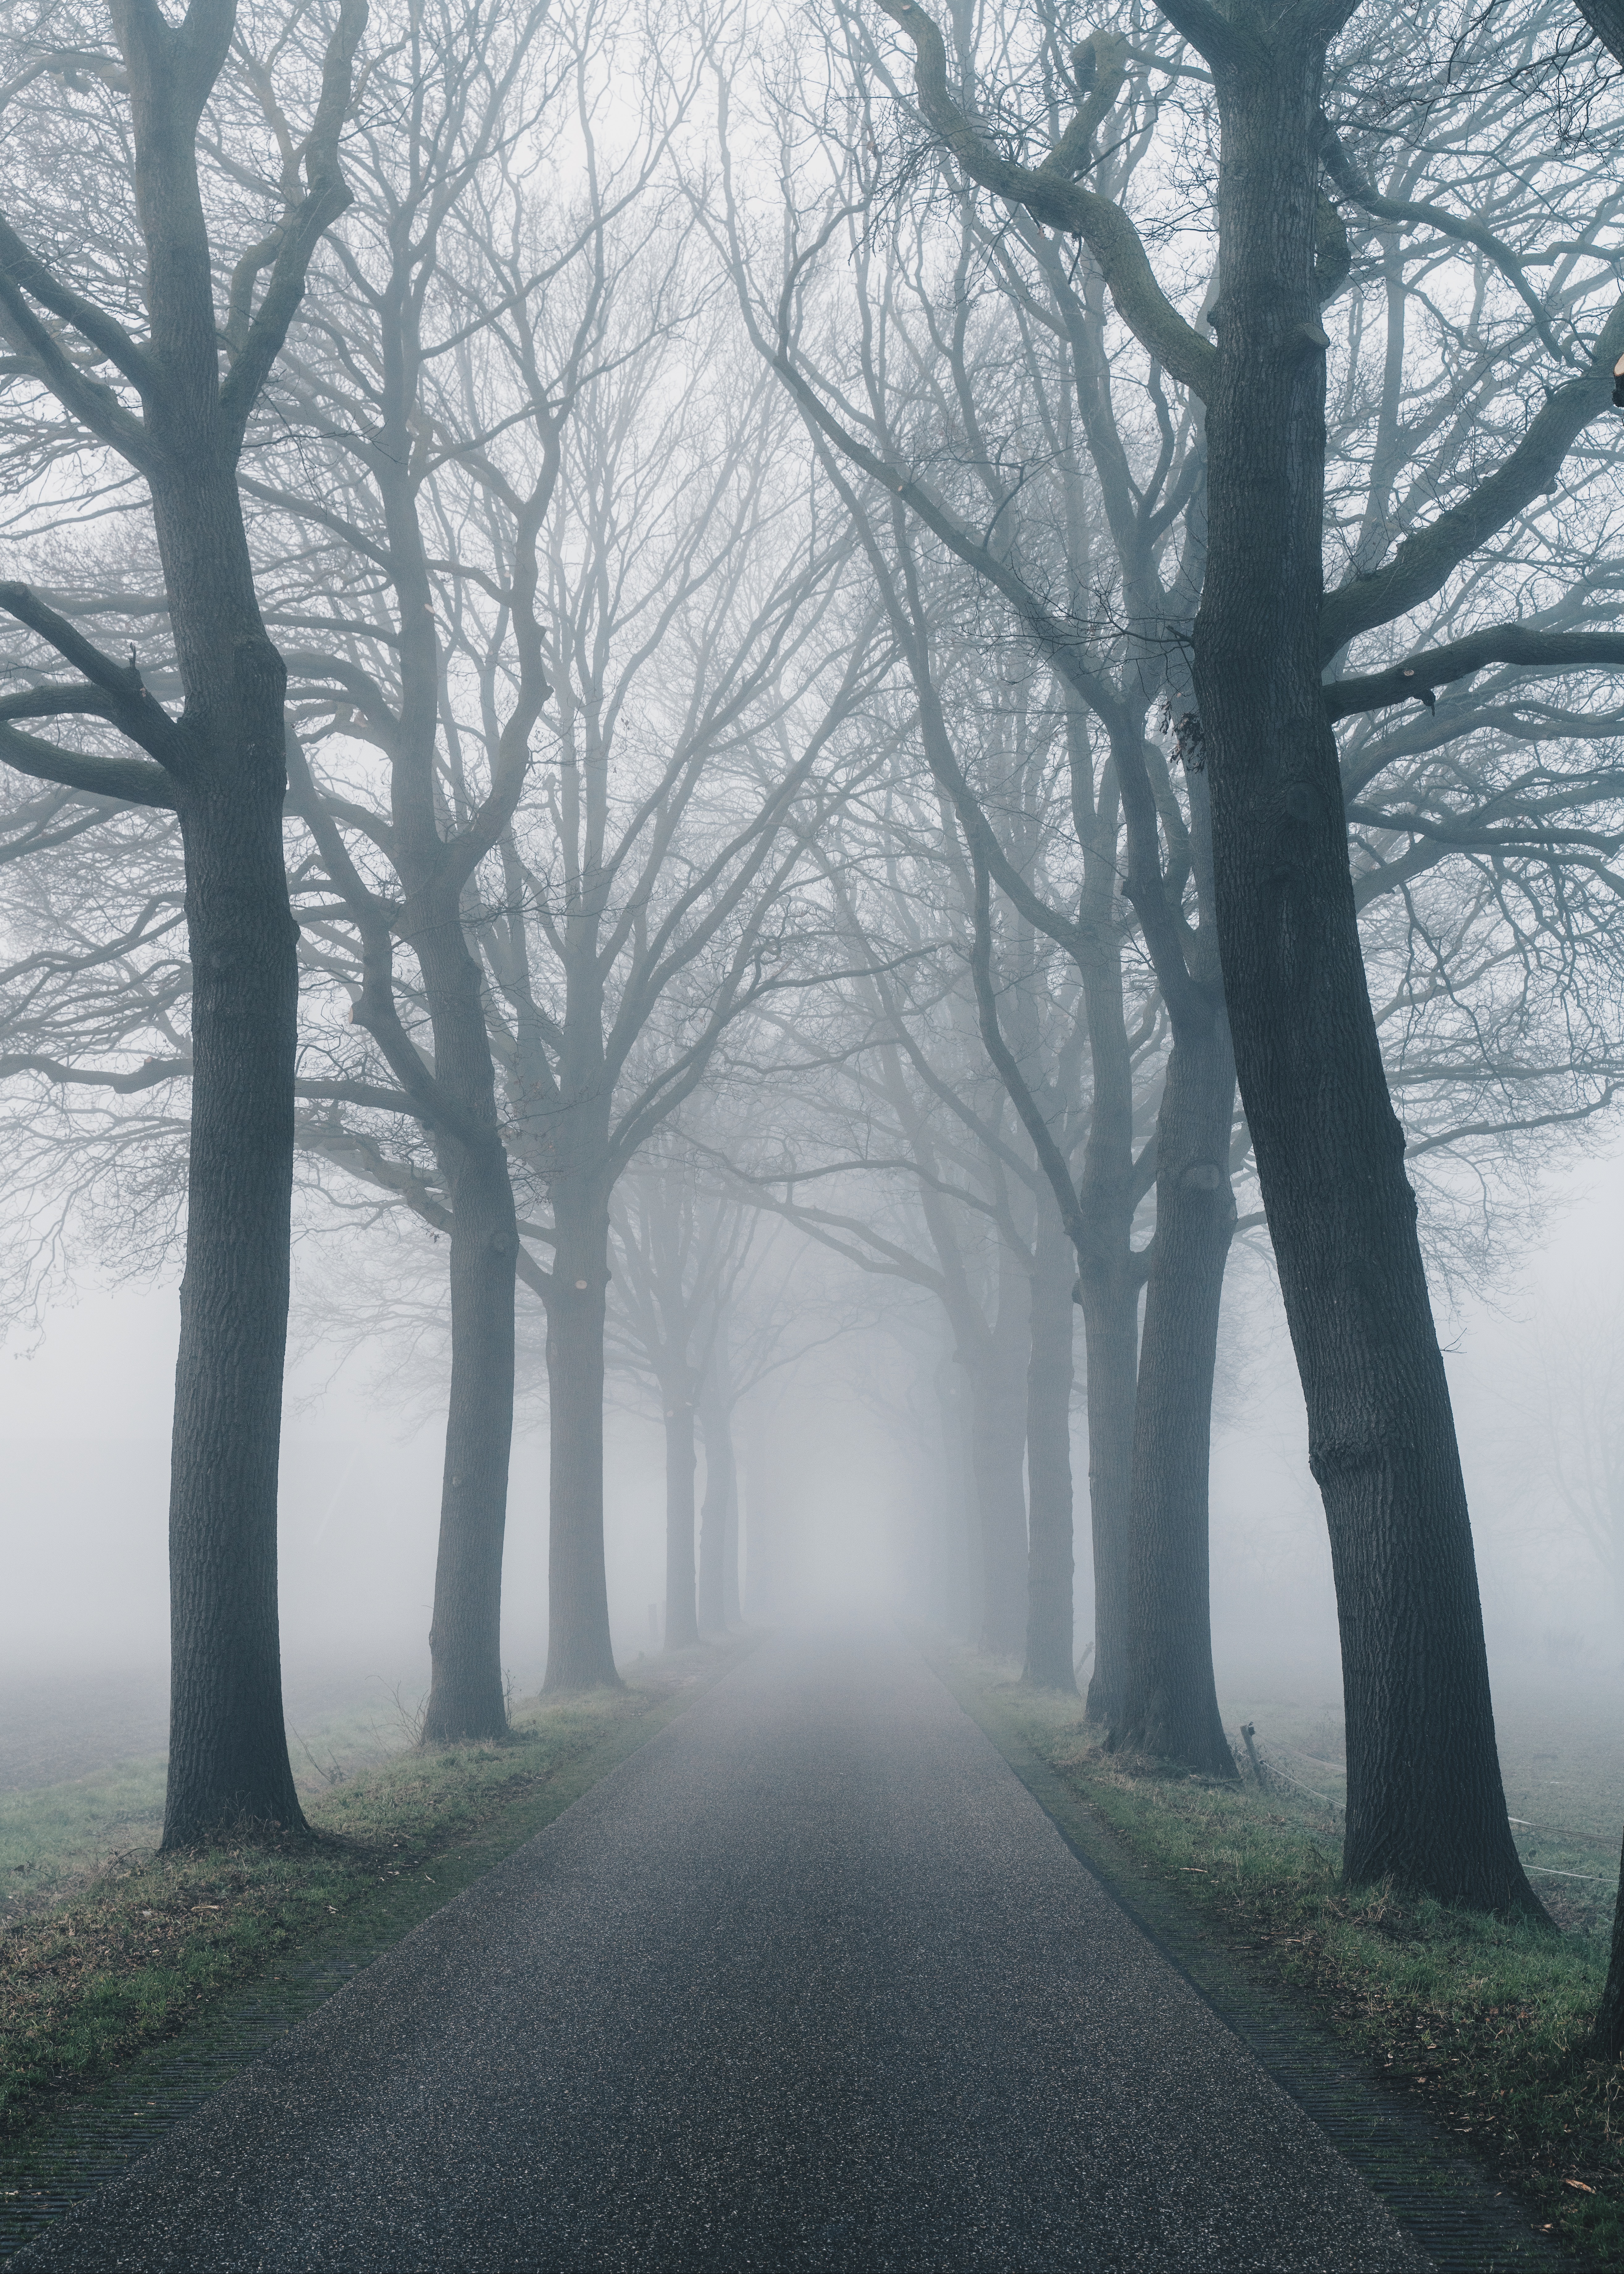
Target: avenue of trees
(982,646)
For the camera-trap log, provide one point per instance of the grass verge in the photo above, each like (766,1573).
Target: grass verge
(55,1838)
(143,1950)
(1480,2021)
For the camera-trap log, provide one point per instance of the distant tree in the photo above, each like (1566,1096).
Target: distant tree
(720,1599)
(677,1252)
(551,486)
(923,371)
(695,626)
(1565,1459)
(777,1315)
(710,675)
(884,1138)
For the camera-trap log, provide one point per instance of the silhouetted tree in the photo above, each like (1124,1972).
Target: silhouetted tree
(139,359)
(1340,1210)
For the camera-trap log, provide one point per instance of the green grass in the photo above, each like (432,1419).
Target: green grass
(51,1837)
(1564,1779)
(56,1838)
(105,1958)
(1482,2020)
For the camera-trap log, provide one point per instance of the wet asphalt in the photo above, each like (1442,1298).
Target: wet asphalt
(809,1982)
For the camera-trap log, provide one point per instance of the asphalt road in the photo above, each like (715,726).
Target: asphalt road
(809,1981)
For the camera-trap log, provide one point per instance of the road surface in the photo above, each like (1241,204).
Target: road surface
(809,1982)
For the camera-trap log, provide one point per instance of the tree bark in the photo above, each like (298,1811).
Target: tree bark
(1108,1292)
(1050,1372)
(1110,1307)
(1171,1705)
(466,1694)
(580,1655)
(1108,1275)
(681,1608)
(1424,1797)
(227,1746)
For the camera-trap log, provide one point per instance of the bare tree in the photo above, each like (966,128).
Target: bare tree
(888,1141)
(154,359)
(423,393)
(1440,1823)
(677,1254)
(624,907)
(710,674)
(1153,1678)
(572,529)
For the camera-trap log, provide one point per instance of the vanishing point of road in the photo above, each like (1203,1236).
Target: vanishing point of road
(807,1981)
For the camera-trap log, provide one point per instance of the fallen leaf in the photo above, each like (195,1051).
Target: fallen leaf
(1583,2190)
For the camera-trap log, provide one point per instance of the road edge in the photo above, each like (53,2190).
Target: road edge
(1440,2198)
(97,2135)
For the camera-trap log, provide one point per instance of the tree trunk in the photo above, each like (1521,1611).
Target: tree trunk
(227,1745)
(716,1518)
(1049,1562)
(1110,1307)
(1108,1287)
(1171,1705)
(466,1696)
(1108,1279)
(225,760)
(682,1609)
(579,1652)
(1425,1798)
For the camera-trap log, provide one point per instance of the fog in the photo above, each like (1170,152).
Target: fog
(88,1499)
(836,883)
(846,1493)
